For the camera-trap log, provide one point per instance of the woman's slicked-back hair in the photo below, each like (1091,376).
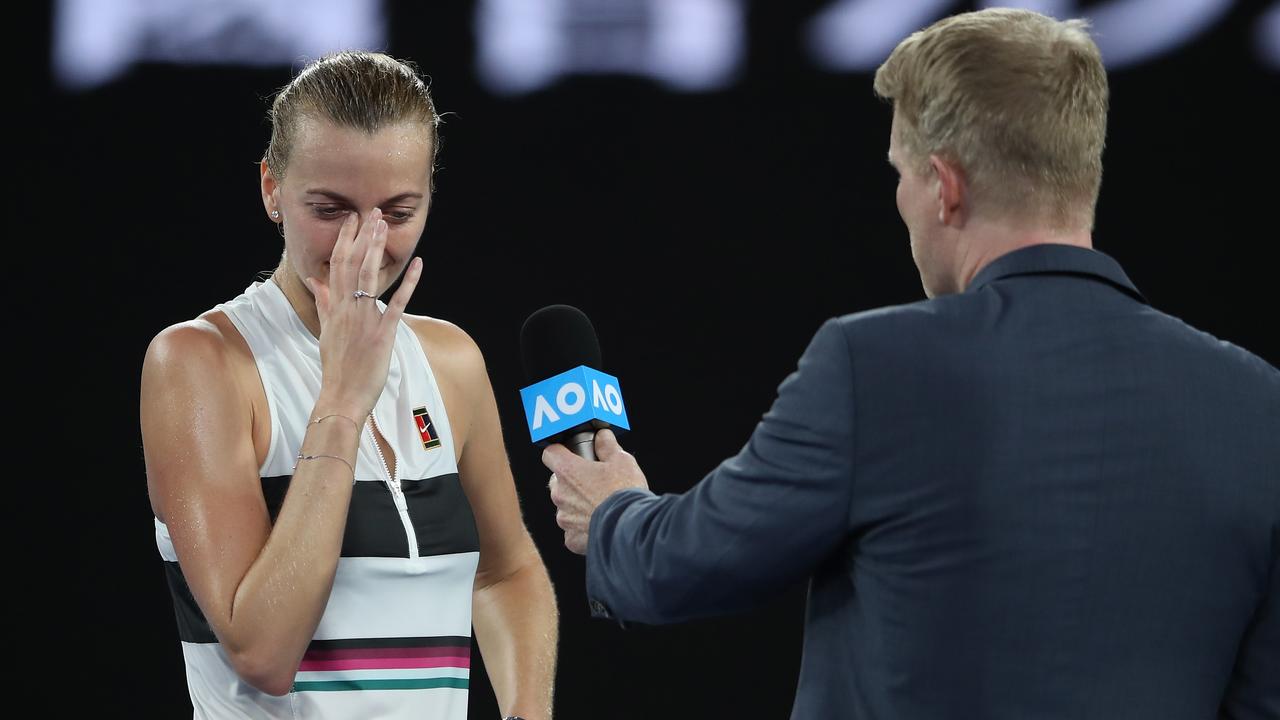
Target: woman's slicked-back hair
(359,90)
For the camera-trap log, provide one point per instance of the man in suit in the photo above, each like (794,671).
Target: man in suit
(1030,496)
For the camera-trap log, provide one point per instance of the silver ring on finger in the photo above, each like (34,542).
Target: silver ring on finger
(361,294)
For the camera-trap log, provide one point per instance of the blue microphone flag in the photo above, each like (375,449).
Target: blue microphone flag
(581,397)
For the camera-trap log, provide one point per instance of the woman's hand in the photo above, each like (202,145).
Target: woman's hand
(356,338)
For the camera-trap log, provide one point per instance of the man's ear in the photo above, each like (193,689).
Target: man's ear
(952,191)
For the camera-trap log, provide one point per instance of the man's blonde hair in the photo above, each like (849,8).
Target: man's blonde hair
(1017,99)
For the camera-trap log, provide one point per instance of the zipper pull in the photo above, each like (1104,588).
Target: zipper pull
(397,495)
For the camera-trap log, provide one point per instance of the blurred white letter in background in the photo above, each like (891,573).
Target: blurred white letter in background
(1269,36)
(857,35)
(526,45)
(95,41)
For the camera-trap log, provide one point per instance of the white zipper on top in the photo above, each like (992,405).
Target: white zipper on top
(393,484)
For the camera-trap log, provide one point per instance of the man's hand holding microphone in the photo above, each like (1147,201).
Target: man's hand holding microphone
(571,409)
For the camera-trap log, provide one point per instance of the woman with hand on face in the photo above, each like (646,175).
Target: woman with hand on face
(330,486)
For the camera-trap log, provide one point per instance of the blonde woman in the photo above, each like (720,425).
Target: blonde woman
(332,496)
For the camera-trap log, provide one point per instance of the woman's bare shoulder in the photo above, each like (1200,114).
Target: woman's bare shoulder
(208,340)
(447,345)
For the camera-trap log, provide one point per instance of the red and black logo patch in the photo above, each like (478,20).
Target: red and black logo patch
(427,429)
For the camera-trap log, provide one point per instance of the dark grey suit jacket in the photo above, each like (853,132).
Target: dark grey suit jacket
(1038,498)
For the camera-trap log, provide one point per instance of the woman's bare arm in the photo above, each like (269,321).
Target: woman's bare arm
(263,588)
(514,607)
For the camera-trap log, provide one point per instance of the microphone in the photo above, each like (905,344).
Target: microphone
(568,397)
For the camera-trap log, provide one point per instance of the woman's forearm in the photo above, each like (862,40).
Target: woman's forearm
(517,628)
(282,597)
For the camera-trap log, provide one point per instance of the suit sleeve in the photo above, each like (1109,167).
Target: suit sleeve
(1254,690)
(761,521)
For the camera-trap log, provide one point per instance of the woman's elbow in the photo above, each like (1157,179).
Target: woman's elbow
(264,672)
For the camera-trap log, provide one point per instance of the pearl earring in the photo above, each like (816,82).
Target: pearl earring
(275,214)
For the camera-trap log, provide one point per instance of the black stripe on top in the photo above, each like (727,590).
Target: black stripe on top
(192,627)
(438,508)
(403,642)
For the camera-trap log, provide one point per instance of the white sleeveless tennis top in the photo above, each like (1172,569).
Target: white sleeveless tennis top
(395,638)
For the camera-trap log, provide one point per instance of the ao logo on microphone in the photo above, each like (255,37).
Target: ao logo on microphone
(581,397)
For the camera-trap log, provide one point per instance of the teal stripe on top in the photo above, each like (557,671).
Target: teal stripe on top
(405,684)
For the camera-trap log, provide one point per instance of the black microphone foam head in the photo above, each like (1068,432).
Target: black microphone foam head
(555,339)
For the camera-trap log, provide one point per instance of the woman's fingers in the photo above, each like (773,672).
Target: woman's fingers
(320,291)
(354,260)
(370,269)
(342,249)
(352,244)
(400,299)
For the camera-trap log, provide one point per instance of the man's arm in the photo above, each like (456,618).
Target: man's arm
(1254,690)
(761,521)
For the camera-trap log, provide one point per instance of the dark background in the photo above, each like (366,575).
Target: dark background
(706,235)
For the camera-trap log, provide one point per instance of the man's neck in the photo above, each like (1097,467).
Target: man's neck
(983,242)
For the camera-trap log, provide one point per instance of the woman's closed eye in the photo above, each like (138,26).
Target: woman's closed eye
(337,212)
(329,212)
(397,215)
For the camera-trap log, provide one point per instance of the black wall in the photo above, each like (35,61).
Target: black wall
(706,235)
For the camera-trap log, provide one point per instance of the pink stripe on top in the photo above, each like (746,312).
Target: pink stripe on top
(386,663)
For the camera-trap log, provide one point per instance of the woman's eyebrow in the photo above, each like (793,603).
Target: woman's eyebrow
(341,198)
